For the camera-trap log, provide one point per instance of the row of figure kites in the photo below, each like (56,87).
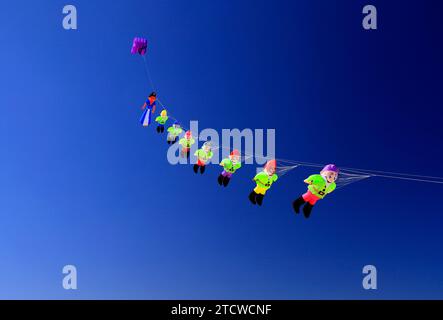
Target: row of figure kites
(319,185)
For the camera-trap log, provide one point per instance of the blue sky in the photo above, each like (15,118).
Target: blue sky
(83,183)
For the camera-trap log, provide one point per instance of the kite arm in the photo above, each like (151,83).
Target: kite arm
(307,181)
(144,106)
(330,191)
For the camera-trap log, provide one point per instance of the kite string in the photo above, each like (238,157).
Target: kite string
(406,178)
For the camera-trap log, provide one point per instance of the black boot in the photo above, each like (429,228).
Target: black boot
(169,142)
(260,199)
(202,169)
(307,209)
(252,197)
(226,181)
(297,204)
(220,179)
(158,129)
(195,168)
(162,129)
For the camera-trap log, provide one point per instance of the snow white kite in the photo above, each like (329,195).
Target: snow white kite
(149,109)
(186,142)
(173,132)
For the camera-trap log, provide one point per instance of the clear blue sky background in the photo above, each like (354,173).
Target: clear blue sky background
(81,182)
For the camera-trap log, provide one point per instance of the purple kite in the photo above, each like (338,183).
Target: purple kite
(139,45)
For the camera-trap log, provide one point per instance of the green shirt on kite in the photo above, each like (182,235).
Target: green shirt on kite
(161,120)
(265,181)
(175,131)
(318,185)
(186,143)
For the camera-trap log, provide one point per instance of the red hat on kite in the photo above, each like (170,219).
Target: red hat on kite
(235,153)
(271,165)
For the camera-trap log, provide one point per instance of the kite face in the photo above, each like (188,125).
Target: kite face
(139,46)
(318,186)
(152,98)
(270,167)
(330,173)
(234,159)
(330,176)
(207,146)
